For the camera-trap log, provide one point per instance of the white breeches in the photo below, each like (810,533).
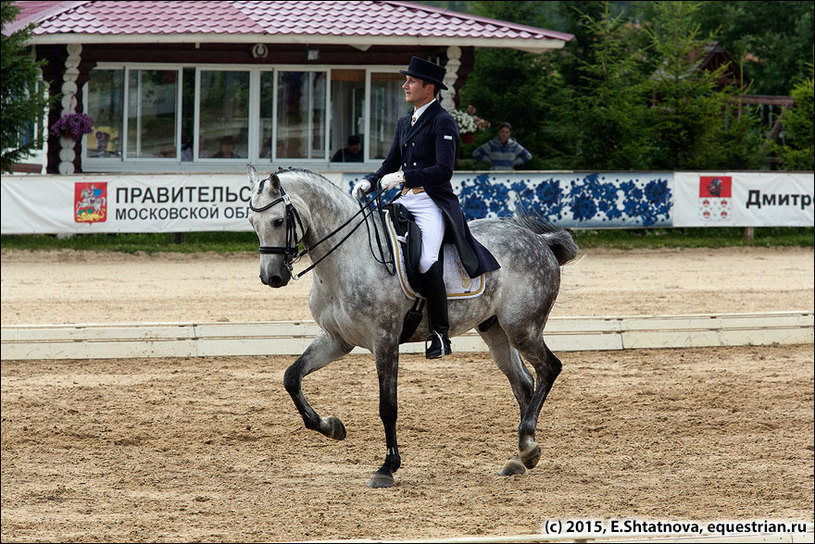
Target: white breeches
(430,221)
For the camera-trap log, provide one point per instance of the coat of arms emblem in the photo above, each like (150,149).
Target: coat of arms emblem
(715,198)
(90,202)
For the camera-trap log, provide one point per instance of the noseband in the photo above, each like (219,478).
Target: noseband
(292,250)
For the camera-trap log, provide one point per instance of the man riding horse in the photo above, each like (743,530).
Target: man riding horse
(422,157)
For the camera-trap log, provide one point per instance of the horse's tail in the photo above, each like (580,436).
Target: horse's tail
(560,241)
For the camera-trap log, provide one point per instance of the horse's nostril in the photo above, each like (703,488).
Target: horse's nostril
(276,281)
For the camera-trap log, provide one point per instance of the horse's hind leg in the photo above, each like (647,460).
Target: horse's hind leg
(319,353)
(547,367)
(509,362)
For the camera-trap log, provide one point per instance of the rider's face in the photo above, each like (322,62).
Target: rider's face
(418,92)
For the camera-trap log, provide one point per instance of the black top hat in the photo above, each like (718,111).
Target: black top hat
(426,70)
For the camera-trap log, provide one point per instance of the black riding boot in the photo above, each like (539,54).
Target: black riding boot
(435,292)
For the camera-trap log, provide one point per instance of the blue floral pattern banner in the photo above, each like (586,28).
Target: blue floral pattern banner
(569,200)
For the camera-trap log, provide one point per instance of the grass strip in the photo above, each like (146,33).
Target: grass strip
(230,242)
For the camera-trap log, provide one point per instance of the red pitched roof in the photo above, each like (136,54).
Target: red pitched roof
(382,22)
(34,11)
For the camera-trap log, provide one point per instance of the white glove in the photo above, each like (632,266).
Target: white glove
(389,181)
(361,188)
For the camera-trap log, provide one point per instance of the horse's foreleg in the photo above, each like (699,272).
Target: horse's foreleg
(319,353)
(547,368)
(387,369)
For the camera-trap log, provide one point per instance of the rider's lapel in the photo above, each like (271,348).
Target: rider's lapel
(425,118)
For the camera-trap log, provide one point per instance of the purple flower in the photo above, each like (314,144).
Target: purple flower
(75,124)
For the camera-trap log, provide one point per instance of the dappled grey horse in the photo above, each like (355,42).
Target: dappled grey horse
(357,302)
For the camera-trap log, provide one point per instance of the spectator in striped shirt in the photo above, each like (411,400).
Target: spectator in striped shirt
(503,152)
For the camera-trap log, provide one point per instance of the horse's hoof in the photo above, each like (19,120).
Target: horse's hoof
(513,467)
(381,480)
(334,428)
(530,455)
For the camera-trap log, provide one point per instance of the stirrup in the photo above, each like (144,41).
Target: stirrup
(439,346)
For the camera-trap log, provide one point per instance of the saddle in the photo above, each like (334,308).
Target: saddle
(405,240)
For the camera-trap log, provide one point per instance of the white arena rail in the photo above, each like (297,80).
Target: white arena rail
(130,340)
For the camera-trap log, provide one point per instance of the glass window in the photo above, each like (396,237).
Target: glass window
(223,128)
(188,114)
(387,106)
(105,106)
(151,113)
(347,115)
(301,119)
(266,114)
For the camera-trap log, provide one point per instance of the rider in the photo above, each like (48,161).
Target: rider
(422,157)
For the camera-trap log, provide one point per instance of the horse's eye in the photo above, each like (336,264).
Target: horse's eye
(278,222)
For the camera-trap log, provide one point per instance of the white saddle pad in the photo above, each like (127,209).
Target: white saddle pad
(458,282)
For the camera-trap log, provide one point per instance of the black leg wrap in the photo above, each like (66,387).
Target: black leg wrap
(436,294)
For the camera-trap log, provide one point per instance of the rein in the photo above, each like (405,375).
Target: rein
(390,265)
(294,250)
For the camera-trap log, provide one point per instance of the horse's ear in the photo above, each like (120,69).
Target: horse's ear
(275,181)
(253,176)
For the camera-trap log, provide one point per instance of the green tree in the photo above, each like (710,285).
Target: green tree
(771,41)
(24,102)
(611,106)
(689,116)
(572,17)
(799,151)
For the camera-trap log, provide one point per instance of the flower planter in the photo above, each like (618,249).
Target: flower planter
(73,126)
(468,123)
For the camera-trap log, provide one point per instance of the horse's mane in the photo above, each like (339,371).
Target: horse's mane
(311,174)
(281,170)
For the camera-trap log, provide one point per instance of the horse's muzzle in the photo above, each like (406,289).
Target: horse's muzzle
(276,278)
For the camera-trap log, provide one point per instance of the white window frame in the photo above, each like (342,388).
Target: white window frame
(170,164)
(178,100)
(275,102)
(197,109)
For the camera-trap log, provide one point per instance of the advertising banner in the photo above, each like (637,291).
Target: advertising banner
(567,199)
(124,203)
(743,199)
(133,203)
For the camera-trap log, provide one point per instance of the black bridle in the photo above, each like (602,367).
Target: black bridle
(294,249)
(291,251)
